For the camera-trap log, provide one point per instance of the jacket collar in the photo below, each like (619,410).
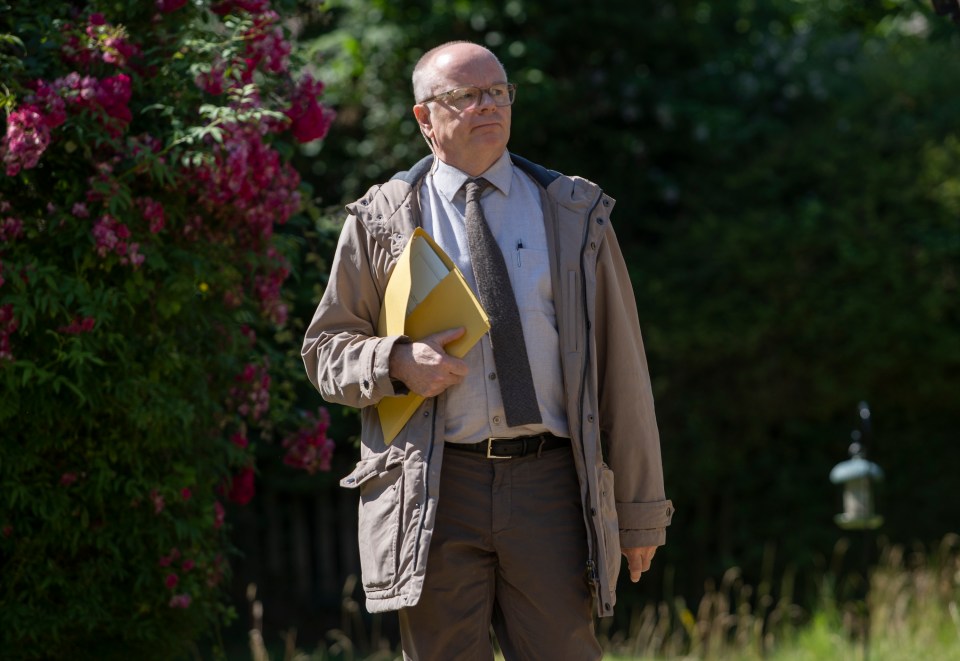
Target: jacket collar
(391,211)
(540,174)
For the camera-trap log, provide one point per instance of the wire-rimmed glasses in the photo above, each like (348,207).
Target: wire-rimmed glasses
(462,98)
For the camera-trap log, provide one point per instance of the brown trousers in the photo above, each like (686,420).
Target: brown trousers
(509,550)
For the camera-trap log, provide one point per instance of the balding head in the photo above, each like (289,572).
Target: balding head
(426,79)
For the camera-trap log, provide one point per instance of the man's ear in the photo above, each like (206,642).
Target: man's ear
(422,113)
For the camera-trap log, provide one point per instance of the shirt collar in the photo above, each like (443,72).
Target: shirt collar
(449,180)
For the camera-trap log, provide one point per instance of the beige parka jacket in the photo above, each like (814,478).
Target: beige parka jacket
(608,396)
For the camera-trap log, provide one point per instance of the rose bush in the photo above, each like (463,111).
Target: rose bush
(146,172)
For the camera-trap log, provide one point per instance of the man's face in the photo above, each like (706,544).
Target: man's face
(474,138)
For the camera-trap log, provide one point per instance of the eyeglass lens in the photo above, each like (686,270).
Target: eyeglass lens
(467,97)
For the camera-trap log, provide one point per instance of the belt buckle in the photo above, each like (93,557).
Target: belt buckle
(490,454)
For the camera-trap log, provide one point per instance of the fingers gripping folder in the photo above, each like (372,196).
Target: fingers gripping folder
(426,294)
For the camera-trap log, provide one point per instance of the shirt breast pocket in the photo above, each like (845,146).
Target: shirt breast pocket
(530,277)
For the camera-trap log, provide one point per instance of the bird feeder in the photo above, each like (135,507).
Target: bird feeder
(858,476)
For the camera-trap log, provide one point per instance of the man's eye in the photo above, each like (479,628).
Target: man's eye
(497,92)
(465,94)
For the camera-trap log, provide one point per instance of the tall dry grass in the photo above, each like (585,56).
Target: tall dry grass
(915,603)
(731,615)
(911,612)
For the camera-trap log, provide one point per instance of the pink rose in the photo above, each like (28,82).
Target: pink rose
(28,136)
(157,499)
(219,514)
(309,120)
(180,600)
(167,6)
(242,487)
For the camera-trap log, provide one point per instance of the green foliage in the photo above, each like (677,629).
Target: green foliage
(798,274)
(143,349)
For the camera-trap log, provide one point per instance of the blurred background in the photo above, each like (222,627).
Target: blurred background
(787,176)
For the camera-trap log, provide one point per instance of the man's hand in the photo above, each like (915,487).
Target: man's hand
(425,367)
(638,560)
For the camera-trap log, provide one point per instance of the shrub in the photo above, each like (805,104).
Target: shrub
(146,167)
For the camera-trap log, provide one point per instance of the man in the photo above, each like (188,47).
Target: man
(495,503)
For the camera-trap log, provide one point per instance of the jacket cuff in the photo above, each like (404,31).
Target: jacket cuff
(377,382)
(644,524)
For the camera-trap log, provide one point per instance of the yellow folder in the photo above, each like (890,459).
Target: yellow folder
(426,294)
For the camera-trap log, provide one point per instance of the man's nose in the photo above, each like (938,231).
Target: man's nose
(485,101)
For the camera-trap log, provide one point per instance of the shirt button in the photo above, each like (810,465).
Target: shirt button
(492,376)
(496,419)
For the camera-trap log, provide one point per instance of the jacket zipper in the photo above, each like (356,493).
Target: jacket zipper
(592,568)
(415,190)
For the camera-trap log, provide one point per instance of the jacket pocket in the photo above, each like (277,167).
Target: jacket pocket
(611,526)
(380,481)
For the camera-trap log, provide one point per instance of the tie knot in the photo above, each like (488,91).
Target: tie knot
(475,187)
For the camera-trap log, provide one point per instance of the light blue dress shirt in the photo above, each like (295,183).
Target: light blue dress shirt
(513,211)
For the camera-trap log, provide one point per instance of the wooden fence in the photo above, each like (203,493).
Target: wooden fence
(299,549)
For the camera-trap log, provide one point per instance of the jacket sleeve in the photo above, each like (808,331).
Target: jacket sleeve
(628,421)
(343,357)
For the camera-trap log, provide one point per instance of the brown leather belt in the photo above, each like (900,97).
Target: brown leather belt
(509,448)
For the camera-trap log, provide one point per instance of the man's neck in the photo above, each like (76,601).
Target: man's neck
(472,167)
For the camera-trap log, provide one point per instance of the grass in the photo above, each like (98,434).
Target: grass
(913,605)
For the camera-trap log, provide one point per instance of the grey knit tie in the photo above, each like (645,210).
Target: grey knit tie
(496,295)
